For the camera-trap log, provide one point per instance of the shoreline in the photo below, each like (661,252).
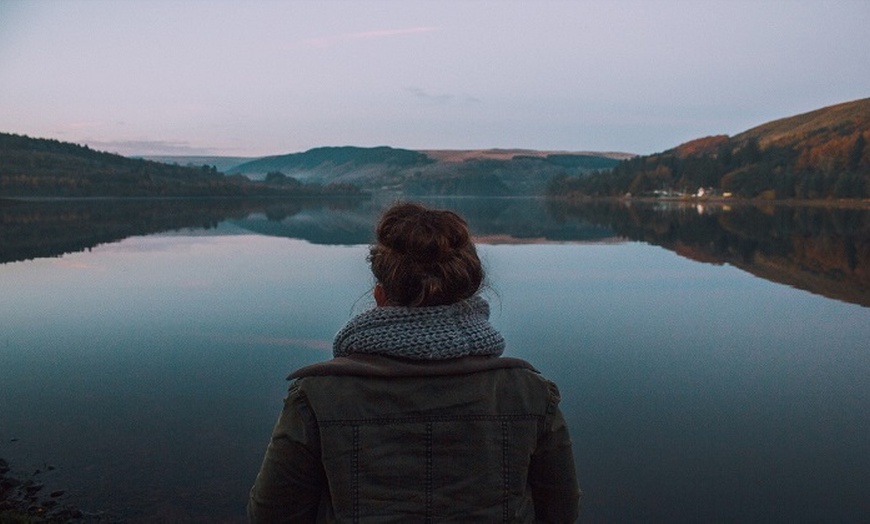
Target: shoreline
(22,500)
(843,203)
(846,203)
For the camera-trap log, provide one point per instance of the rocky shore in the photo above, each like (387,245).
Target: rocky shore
(23,499)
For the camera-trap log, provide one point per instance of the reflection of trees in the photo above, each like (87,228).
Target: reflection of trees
(43,229)
(819,249)
(51,228)
(822,250)
(491,220)
(520,219)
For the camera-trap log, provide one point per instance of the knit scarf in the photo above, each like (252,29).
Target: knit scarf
(422,333)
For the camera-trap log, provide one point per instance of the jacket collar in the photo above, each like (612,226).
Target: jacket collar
(366,365)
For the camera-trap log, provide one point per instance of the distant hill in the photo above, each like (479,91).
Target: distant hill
(487,174)
(49,168)
(822,154)
(336,164)
(814,127)
(438,172)
(37,167)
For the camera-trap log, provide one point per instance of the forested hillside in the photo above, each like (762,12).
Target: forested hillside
(346,158)
(511,172)
(36,167)
(823,154)
(517,175)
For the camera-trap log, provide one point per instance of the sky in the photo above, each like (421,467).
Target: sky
(256,78)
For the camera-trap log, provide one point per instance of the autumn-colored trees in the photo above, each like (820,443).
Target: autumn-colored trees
(816,155)
(823,165)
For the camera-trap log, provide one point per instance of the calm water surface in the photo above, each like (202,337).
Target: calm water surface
(149,371)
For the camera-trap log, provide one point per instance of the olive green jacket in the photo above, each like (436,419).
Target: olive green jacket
(367,438)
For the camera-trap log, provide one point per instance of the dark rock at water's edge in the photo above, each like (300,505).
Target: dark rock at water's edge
(23,499)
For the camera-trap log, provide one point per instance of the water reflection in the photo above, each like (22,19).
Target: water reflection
(493,220)
(35,229)
(822,250)
(825,251)
(150,370)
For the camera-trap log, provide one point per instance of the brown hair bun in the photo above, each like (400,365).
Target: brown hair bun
(424,257)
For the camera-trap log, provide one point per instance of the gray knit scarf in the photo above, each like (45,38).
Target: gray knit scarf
(423,333)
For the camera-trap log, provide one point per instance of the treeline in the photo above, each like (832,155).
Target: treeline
(838,167)
(520,175)
(417,173)
(35,167)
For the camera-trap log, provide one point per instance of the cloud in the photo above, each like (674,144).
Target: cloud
(440,98)
(420,94)
(329,41)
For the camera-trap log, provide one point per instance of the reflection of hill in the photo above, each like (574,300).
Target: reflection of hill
(491,220)
(45,229)
(51,228)
(31,229)
(822,250)
(522,219)
(316,225)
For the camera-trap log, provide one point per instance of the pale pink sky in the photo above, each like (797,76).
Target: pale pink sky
(271,77)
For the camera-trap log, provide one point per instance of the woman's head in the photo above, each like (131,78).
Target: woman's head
(424,257)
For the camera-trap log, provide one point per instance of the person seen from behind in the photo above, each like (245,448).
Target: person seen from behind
(418,417)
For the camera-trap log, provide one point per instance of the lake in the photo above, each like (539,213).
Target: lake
(713,360)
